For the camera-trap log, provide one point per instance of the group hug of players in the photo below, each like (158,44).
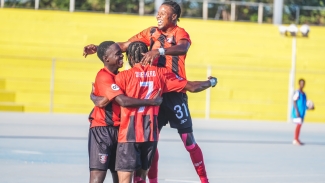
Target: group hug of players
(132,106)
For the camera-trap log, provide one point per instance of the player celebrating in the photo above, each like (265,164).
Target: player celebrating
(299,110)
(169,43)
(104,125)
(138,135)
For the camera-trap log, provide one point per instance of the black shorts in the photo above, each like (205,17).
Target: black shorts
(132,156)
(174,109)
(102,143)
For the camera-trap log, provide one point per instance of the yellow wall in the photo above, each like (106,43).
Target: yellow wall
(250,60)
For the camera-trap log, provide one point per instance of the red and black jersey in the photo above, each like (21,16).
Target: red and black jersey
(105,86)
(154,38)
(139,124)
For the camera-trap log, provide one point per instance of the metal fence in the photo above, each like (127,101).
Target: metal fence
(205,9)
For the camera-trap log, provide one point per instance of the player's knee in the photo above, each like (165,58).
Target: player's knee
(188,141)
(97,176)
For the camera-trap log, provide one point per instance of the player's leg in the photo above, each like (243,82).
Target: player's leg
(124,176)
(100,147)
(148,151)
(196,155)
(127,161)
(140,176)
(182,121)
(162,121)
(299,122)
(114,176)
(296,140)
(97,176)
(153,170)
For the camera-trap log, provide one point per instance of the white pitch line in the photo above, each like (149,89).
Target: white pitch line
(26,152)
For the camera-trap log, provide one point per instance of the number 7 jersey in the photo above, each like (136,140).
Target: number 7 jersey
(139,124)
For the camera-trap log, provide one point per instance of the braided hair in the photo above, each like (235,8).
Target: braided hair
(135,50)
(102,48)
(175,7)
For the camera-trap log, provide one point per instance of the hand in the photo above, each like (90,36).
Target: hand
(212,83)
(89,49)
(157,100)
(149,57)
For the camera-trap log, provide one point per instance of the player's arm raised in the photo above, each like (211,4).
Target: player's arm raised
(91,48)
(180,48)
(198,86)
(172,82)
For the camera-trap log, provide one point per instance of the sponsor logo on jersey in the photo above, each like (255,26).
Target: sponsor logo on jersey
(115,87)
(183,121)
(145,74)
(198,164)
(103,158)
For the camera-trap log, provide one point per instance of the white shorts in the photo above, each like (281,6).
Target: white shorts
(297,120)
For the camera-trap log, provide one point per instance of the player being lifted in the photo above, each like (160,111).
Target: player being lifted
(169,43)
(104,122)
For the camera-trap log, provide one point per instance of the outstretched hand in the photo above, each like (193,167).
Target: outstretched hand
(149,57)
(89,49)
(213,84)
(157,98)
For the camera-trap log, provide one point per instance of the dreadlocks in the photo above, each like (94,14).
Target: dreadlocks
(176,8)
(135,50)
(102,48)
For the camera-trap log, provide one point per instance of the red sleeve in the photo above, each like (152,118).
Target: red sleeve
(172,82)
(181,34)
(106,86)
(143,36)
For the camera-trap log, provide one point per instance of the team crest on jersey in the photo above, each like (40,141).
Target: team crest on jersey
(115,87)
(103,158)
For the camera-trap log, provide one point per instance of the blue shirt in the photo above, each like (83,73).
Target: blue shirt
(301,99)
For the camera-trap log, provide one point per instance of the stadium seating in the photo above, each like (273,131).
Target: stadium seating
(251,61)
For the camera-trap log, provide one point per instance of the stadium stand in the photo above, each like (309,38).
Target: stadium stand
(251,61)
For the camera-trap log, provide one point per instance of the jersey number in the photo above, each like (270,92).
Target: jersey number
(179,113)
(148,84)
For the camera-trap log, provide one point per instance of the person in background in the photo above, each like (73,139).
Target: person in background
(300,105)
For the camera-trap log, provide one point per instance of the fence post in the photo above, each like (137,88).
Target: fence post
(277,11)
(36,4)
(141,7)
(297,14)
(292,77)
(233,11)
(260,13)
(2,3)
(52,80)
(208,96)
(205,9)
(107,3)
(71,7)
